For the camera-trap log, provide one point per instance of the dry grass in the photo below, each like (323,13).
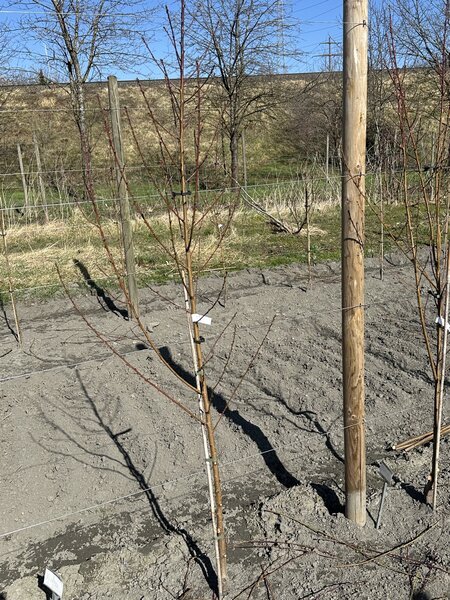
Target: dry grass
(34,249)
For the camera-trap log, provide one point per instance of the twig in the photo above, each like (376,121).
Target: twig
(368,559)
(266,584)
(252,585)
(395,548)
(419,440)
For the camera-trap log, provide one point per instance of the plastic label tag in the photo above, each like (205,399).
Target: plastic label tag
(201,319)
(53,583)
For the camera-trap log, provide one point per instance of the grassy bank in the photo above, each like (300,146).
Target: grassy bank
(74,244)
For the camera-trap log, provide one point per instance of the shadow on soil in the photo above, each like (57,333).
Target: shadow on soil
(413,493)
(8,326)
(329,497)
(47,592)
(167,527)
(254,432)
(310,416)
(107,303)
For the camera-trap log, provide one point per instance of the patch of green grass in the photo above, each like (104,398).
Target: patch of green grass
(250,242)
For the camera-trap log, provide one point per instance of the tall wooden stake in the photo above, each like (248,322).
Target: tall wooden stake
(37,155)
(353,200)
(127,232)
(24,180)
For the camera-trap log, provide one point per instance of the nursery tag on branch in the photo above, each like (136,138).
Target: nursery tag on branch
(440,321)
(201,319)
(53,583)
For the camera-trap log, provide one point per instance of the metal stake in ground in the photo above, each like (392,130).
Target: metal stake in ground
(388,476)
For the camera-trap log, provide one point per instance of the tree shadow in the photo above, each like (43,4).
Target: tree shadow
(311,416)
(107,303)
(329,497)
(8,324)
(255,433)
(413,492)
(193,548)
(41,586)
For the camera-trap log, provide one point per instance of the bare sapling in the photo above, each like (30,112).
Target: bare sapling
(426,201)
(183,150)
(287,208)
(8,275)
(185,212)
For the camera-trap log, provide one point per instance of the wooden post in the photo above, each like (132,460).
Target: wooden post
(353,197)
(24,181)
(327,159)
(127,232)
(244,159)
(37,155)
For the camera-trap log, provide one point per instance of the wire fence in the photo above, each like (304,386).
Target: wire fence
(64,231)
(317,313)
(47,219)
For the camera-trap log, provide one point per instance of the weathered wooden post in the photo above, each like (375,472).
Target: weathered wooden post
(24,180)
(37,155)
(353,201)
(125,218)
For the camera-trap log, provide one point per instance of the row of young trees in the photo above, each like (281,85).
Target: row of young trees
(226,50)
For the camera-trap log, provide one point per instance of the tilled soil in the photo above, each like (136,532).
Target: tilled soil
(103,478)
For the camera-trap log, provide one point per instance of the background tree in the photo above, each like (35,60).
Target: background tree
(239,40)
(80,39)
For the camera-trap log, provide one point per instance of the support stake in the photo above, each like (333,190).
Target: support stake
(125,218)
(353,200)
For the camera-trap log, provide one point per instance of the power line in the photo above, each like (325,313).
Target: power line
(330,42)
(308,317)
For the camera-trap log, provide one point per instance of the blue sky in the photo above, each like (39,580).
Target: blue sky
(319,22)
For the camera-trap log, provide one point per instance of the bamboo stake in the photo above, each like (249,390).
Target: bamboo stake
(440,403)
(419,440)
(206,449)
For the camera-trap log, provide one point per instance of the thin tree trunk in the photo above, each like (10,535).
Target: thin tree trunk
(10,282)
(234,154)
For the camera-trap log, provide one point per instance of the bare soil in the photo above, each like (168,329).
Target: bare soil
(102,480)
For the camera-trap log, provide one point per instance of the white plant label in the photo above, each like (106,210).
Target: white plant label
(440,321)
(53,583)
(202,319)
